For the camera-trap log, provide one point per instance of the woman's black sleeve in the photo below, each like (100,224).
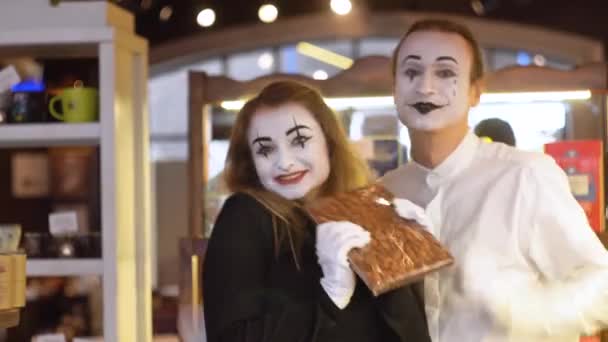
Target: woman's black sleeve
(238,305)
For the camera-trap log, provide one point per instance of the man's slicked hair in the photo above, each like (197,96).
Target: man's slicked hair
(446,26)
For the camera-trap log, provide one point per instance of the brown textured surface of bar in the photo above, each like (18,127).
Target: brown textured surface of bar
(400,252)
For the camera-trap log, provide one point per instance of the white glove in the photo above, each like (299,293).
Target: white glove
(334,241)
(411,211)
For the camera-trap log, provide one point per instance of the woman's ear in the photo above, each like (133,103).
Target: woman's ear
(477,88)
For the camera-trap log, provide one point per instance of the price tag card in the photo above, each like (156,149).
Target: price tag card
(63,223)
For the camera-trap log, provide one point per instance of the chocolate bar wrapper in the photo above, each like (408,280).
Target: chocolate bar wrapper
(400,251)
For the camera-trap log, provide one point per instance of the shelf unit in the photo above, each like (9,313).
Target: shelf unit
(105,31)
(49,134)
(63,267)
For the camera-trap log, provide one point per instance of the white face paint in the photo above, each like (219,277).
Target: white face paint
(289,150)
(432,80)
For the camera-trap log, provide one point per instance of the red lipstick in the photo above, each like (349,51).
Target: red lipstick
(290,178)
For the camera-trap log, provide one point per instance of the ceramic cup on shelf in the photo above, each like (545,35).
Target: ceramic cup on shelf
(10,235)
(36,244)
(78,104)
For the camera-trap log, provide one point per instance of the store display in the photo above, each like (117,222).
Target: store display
(12,280)
(10,235)
(58,305)
(45,246)
(28,102)
(583,162)
(5,106)
(72,171)
(8,78)
(30,175)
(36,244)
(82,211)
(75,174)
(89,245)
(400,252)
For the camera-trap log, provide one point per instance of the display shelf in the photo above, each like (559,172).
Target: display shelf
(49,134)
(105,32)
(63,267)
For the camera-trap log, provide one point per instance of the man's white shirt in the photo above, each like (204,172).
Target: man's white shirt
(512,225)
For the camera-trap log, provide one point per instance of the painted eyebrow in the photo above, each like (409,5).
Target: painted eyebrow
(296,128)
(446,58)
(408,57)
(260,140)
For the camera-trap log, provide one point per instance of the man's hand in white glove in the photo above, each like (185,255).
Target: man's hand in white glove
(411,211)
(334,241)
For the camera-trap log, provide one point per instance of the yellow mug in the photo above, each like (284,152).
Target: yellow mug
(79,104)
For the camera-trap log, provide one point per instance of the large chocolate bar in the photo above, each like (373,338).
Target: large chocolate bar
(400,252)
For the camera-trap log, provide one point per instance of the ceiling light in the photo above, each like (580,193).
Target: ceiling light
(341,7)
(265,61)
(540,60)
(206,17)
(324,55)
(539,96)
(320,75)
(268,13)
(478,7)
(165,13)
(145,4)
(481,7)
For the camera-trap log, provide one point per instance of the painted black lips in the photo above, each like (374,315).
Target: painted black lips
(425,107)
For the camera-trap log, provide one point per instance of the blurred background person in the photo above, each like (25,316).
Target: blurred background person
(496,130)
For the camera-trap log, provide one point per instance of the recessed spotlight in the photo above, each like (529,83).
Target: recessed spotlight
(145,4)
(341,7)
(320,75)
(165,13)
(482,7)
(268,13)
(206,17)
(539,60)
(265,61)
(478,7)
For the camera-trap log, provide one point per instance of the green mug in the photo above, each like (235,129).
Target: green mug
(79,104)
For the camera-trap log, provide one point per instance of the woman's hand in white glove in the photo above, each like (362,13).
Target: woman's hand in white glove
(411,211)
(334,241)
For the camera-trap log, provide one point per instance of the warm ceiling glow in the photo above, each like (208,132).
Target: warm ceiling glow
(165,13)
(266,61)
(387,101)
(539,60)
(341,7)
(324,55)
(206,17)
(268,13)
(320,75)
(538,96)
(478,7)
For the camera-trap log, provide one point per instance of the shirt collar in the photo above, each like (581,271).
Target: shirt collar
(458,160)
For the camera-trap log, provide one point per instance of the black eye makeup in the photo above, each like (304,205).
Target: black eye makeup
(264,146)
(445,73)
(264,150)
(300,139)
(411,73)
